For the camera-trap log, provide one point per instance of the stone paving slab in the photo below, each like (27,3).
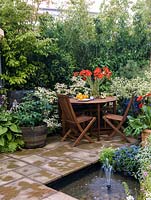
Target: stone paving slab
(65,165)
(87,156)
(55,142)
(24,189)
(9,177)
(26,152)
(44,176)
(24,173)
(60,196)
(3,157)
(10,164)
(35,160)
(28,170)
(60,151)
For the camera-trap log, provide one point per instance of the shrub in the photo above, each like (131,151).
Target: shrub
(124,160)
(10,133)
(144,159)
(107,153)
(32,111)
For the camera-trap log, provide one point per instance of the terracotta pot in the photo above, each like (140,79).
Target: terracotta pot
(145,134)
(34,137)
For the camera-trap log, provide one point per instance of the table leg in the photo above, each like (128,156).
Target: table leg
(99,113)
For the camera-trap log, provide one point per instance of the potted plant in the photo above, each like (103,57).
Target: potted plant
(142,123)
(30,114)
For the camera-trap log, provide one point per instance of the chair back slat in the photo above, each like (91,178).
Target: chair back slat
(67,109)
(128,108)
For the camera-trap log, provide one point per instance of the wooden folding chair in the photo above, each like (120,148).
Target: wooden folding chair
(110,119)
(76,124)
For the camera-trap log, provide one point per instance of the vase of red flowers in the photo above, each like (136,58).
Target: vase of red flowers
(95,78)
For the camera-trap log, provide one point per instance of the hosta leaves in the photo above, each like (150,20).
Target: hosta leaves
(9,136)
(12,146)
(3,130)
(2,141)
(15,128)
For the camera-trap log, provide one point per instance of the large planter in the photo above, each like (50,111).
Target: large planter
(34,137)
(144,135)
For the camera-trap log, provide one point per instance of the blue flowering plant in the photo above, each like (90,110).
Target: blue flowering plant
(124,160)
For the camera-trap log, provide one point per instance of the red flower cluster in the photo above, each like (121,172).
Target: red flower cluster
(141,99)
(98,73)
(85,73)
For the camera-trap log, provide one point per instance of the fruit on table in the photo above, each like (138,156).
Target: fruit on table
(81,96)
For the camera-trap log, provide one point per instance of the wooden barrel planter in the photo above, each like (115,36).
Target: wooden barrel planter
(144,135)
(34,137)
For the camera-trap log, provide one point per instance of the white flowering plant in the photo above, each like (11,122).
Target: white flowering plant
(77,85)
(53,118)
(124,87)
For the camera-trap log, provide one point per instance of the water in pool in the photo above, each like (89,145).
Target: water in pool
(90,184)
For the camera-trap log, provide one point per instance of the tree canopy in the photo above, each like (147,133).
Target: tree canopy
(40,50)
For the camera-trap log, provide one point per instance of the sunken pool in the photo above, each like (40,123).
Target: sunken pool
(90,184)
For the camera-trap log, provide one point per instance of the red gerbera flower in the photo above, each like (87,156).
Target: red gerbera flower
(88,72)
(140,105)
(106,70)
(100,76)
(85,73)
(139,98)
(97,71)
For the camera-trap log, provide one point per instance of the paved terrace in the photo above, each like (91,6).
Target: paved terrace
(23,174)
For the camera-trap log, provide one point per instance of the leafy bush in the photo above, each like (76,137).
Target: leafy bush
(32,111)
(52,119)
(131,70)
(124,160)
(137,124)
(144,159)
(124,87)
(144,171)
(107,153)
(10,133)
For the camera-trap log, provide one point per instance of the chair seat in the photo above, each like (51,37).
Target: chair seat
(83,118)
(114,117)
(118,128)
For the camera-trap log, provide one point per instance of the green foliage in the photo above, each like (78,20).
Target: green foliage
(23,48)
(124,160)
(137,124)
(144,159)
(107,153)
(52,118)
(78,34)
(124,87)
(38,50)
(10,133)
(131,70)
(144,173)
(145,189)
(32,111)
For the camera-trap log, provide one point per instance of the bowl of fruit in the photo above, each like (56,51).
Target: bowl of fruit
(82,97)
